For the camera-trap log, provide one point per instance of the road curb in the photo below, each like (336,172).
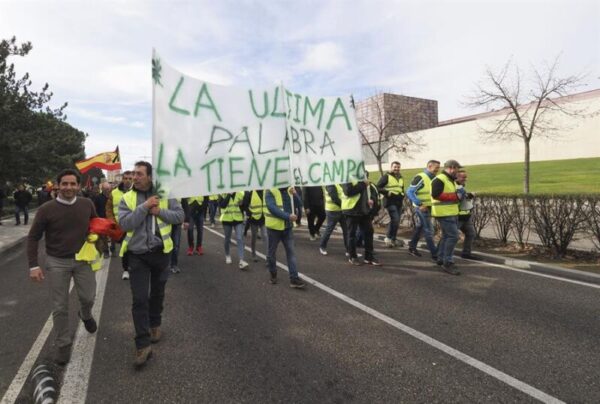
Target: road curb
(11,246)
(548,269)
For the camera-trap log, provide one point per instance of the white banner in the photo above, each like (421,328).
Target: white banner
(210,139)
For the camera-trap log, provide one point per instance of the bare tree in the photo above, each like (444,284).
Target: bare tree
(384,133)
(527,108)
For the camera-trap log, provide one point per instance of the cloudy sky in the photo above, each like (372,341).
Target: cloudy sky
(96,55)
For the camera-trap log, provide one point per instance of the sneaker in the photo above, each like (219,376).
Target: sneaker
(449,268)
(243,264)
(175,269)
(155,334)
(273,279)
(125,275)
(414,252)
(254,258)
(372,261)
(471,257)
(190,251)
(354,261)
(227,259)
(394,243)
(358,255)
(312,237)
(199,250)
(323,251)
(142,355)
(89,324)
(388,242)
(297,283)
(62,355)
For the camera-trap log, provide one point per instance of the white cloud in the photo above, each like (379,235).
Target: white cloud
(325,56)
(97,116)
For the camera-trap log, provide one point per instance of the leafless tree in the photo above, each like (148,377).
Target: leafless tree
(527,108)
(383,132)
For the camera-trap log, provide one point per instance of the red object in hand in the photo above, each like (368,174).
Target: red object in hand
(106,227)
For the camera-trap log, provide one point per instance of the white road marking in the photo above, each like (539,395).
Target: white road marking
(21,377)
(77,375)
(489,370)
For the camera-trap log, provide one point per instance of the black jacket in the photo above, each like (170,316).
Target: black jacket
(193,208)
(312,197)
(362,207)
(22,198)
(387,199)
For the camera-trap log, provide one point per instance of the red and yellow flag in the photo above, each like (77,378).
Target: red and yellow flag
(105,161)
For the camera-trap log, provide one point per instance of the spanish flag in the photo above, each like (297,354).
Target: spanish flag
(105,161)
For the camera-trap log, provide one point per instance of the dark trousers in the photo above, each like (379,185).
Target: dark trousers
(365,225)
(315,217)
(198,223)
(176,237)
(25,211)
(147,272)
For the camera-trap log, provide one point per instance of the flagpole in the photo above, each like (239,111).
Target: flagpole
(153,133)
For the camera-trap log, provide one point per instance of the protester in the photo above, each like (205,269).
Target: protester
(279,220)
(391,186)
(195,211)
(333,210)
(112,212)
(373,212)
(298,207)
(22,198)
(147,219)
(213,205)
(314,207)
(100,202)
(43,195)
(255,218)
(419,194)
(356,207)
(232,218)
(445,199)
(174,255)
(465,220)
(63,223)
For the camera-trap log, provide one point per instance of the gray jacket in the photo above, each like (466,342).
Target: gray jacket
(140,221)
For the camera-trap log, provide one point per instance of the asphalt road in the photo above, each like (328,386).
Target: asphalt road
(230,336)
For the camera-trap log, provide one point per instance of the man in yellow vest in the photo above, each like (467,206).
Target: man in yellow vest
(391,186)
(279,219)
(112,212)
(419,193)
(465,220)
(445,200)
(147,221)
(333,210)
(213,205)
(195,209)
(255,218)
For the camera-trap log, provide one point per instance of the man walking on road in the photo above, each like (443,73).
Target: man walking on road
(445,199)
(64,223)
(22,198)
(314,206)
(419,194)
(333,209)
(112,212)
(147,220)
(465,221)
(391,186)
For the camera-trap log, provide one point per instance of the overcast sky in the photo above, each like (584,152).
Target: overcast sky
(97,55)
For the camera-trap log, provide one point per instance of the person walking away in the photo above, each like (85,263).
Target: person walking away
(445,199)
(279,220)
(419,194)
(112,212)
(100,202)
(195,211)
(333,211)
(213,204)
(64,222)
(465,219)
(391,186)
(232,219)
(22,198)
(314,207)
(255,218)
(147,219)
(356,207)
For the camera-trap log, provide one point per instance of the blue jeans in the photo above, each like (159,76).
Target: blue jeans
(239,238)
(197,222)
(333,218)
(25,211)
(255,228)
(287,239)
(394,212)
(423,225)
(176,237)
(212,210)
(449,238)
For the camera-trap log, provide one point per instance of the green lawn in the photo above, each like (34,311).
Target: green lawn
(546,177)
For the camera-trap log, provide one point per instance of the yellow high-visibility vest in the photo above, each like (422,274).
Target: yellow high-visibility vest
(442,208)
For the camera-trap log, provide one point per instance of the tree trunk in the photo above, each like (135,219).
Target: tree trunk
(380,167)
(526,169)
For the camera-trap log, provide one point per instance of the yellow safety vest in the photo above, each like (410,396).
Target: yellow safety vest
(213,197)
(330,206)
(256,206)
(193,199)
(395,186)
(424,194)
(233,212)
(349,202)
(164,229)
(271,221)
(117,195)
(445,209)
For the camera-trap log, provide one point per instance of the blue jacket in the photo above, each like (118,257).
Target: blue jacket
(287,205)
(416,184)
